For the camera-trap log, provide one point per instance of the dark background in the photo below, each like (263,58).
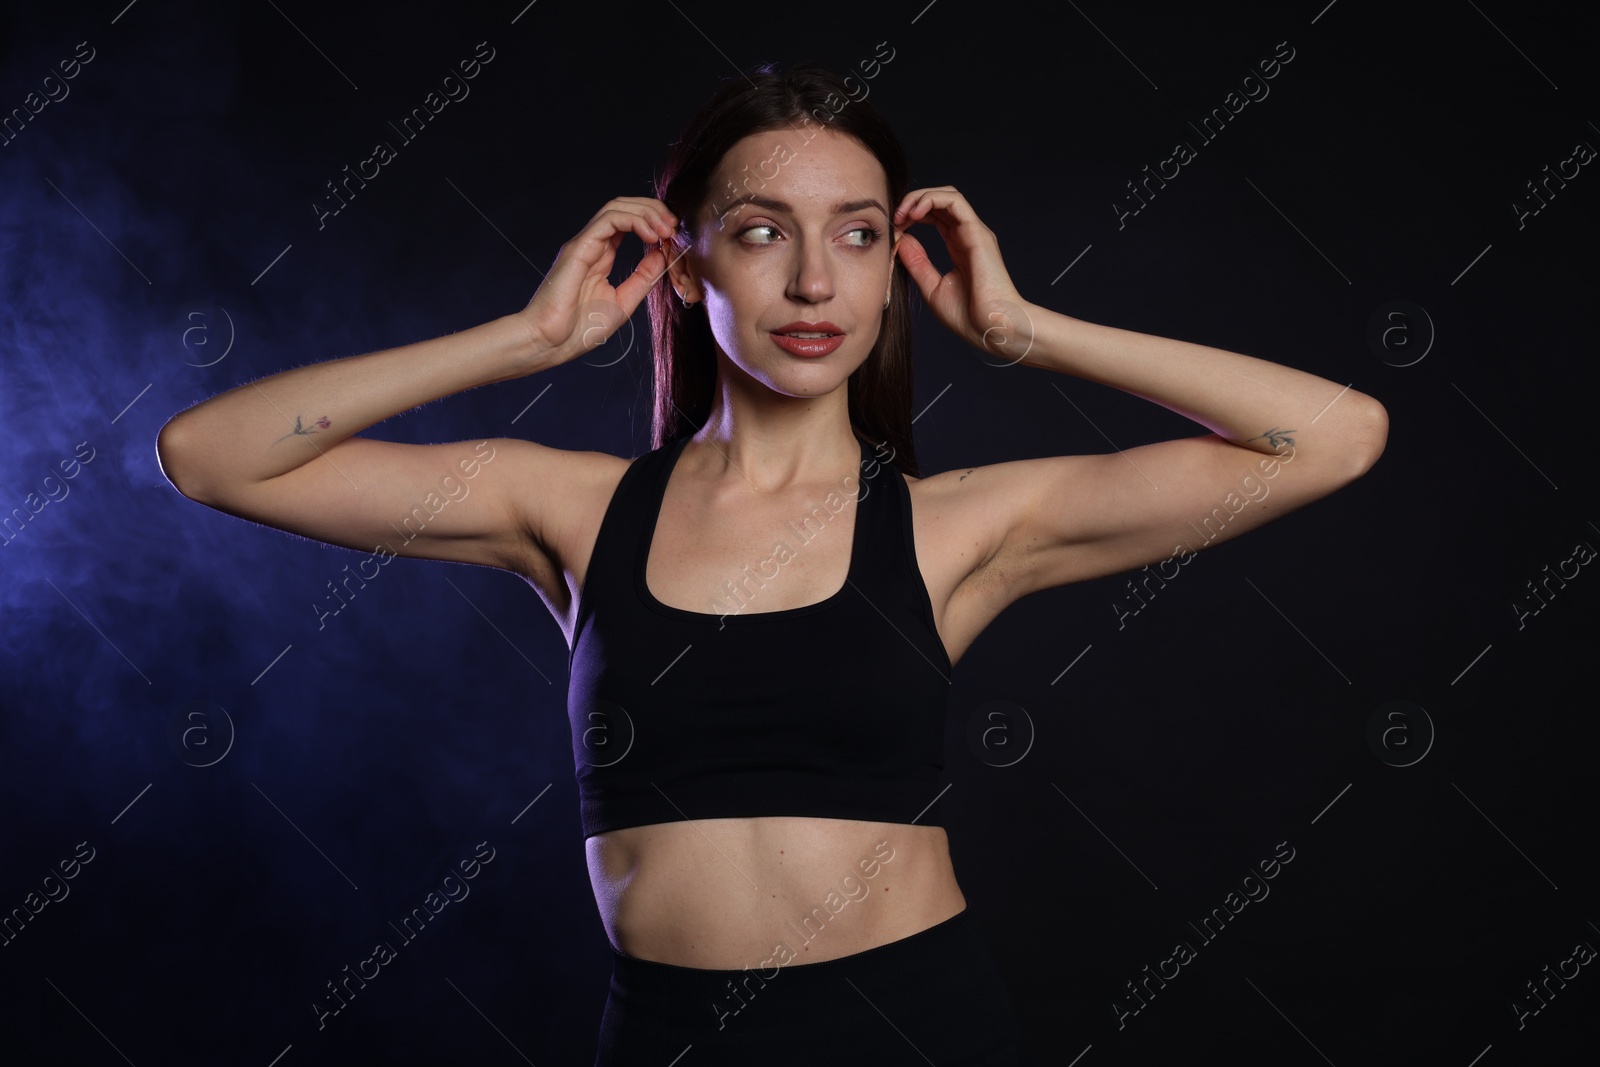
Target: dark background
(263,796)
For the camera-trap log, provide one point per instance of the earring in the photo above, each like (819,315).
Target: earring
(686,301)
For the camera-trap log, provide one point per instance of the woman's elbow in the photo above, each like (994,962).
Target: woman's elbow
(1369,442)
(1365,434)
(176,455)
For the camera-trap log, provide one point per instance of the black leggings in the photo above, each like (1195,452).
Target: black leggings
(934,997)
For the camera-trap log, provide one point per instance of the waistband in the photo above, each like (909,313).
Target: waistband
(927,945)
(937,989)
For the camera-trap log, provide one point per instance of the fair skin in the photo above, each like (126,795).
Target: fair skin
(719,893)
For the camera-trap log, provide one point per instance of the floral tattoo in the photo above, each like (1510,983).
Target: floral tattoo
(1276,437)
(305,431)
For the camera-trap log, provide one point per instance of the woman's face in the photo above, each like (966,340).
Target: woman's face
(794,233)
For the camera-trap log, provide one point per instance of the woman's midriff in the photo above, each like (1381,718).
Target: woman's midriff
(733,893)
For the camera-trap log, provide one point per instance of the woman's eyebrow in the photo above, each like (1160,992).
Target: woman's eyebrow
(770,204)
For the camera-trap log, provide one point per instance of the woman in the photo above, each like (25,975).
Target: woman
(757,748)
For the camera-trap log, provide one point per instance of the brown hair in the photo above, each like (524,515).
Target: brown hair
(685,354)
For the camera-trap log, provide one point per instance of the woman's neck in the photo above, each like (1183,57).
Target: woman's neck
(777,441)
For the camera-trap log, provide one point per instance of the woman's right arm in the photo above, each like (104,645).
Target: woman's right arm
(283,450)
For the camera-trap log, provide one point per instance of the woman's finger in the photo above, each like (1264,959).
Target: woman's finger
(609,224)
(950,213)
(654,210)
(918,265)
(919,202)
(587,260)
(644,278)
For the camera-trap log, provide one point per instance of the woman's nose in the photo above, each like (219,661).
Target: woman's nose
(812,281)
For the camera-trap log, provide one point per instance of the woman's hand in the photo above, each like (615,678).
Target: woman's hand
(576,308)
(976,299)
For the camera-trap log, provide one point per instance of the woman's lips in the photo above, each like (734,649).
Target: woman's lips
(809,347)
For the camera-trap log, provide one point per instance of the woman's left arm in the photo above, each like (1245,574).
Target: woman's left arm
(1280,438)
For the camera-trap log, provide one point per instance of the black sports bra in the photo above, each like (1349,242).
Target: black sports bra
(834,709)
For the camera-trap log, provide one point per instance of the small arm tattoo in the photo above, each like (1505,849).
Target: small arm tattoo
(1276,437)
(964,476)
(304,431)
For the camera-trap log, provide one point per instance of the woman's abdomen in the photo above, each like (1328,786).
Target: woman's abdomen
(732,893)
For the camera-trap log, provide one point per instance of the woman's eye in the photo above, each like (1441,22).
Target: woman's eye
(757,229)
(864,236)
